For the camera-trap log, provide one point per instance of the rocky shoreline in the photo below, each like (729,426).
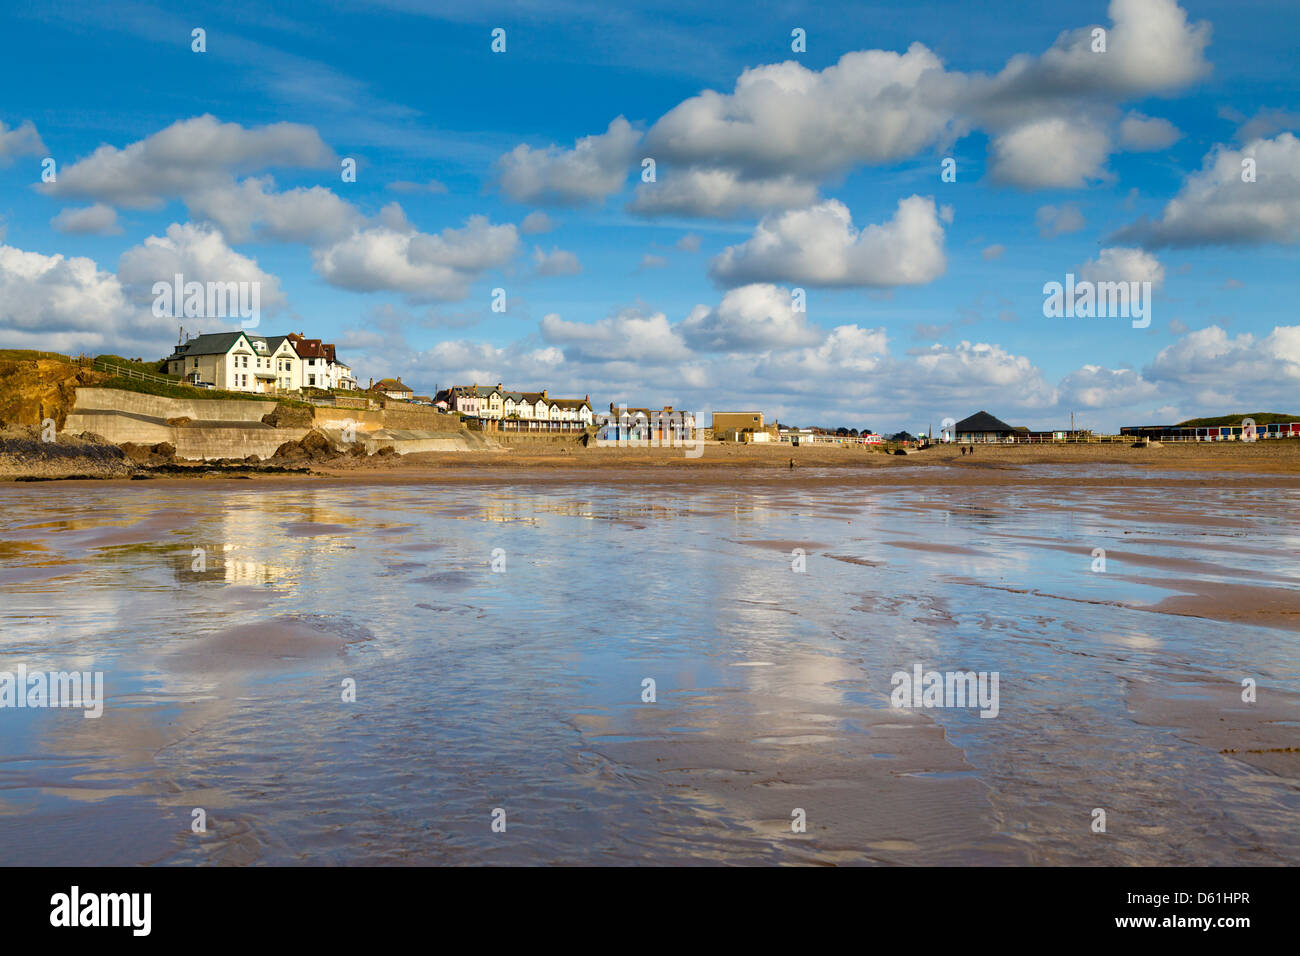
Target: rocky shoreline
(26,456)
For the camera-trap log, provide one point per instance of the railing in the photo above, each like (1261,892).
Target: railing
(133,373)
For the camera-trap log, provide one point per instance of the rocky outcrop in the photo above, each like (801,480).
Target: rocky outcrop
(25,456)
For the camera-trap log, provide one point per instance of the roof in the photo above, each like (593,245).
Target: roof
(532,398)
(392,385)
(513,396)
(212,343)
(982,421)
(570,402)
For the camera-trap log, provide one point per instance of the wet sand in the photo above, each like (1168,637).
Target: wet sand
(523,689)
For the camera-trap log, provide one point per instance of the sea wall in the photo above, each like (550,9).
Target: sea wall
(233,428)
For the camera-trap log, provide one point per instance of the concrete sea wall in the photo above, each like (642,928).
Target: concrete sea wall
(232,428)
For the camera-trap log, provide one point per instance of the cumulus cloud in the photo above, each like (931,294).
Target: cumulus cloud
(252,209)
(1243,367)
(69,304)
(96,220)
(1052,152)
(199,254)
(22,140)
(419,265)
(184,158)
(1122,264)
(1094,386)
(1144,133)
(536,222)
(784,129)
(557,262)
(821,247)
(1215,206)
(981,364)
(752,318)
(718,193)
(630,334)
(871,106)
(595,167)
(1055,221)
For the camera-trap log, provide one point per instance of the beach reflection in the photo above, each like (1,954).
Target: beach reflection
(499,643)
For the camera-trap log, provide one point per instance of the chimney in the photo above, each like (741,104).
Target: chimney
(372,382)
(544,397)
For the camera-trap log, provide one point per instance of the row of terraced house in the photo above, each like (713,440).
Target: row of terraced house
(501,409)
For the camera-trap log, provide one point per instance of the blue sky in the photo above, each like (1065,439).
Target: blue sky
(775,170)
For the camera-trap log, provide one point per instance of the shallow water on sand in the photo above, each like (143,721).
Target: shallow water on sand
(521,688)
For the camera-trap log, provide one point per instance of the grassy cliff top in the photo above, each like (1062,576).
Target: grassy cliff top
(1260,418)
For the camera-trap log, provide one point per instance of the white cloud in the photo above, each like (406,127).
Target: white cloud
(1097,387)
(557,262)
(1121,264)
(63,304)
(96,220)
(198,253)
(22,140)
(820,247)
(251,209)
(871,106)
(1055,221)
(630,334)
(994,251)
(419,265)
(187,156)
(1143,133)
(752,318)
(790,128)
(718,193)
(689,243)
(595,167)
(1052,152)
(1215,206)
(536,222)
(1244,368)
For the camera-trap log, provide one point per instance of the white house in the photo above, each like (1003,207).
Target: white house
(237,362)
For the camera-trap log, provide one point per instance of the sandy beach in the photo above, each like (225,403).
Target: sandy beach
(1120,683)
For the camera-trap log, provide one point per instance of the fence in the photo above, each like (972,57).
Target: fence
(126,371)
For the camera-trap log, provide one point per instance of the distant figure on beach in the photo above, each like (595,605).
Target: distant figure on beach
(791,462)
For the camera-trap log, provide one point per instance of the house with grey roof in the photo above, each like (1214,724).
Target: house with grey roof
(237,362)
(982,428)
